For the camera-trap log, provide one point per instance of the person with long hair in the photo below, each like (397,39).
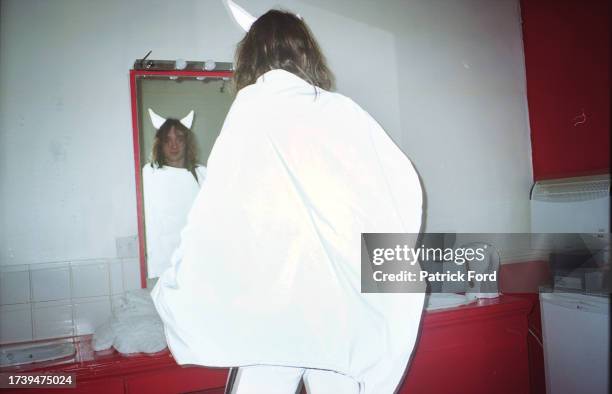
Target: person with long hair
(175,146)
(171,181)
(267,277)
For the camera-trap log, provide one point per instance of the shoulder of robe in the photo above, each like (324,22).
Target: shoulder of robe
(147,170)
(347,108)
(201,171)
(247,93)
(242,109)
(351,105)
(150,167)
(249,100)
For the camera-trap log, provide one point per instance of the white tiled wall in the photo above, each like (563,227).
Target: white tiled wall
(50,300)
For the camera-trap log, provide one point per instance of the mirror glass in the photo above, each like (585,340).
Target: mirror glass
(172,148)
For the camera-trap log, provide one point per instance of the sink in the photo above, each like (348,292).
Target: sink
(33,352)
(446,300)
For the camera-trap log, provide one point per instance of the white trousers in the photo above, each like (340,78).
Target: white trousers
(266,379)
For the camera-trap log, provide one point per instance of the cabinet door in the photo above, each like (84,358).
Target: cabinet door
(567,62)
(177,380)
(478,356)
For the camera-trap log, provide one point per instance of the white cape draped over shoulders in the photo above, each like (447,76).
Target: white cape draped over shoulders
(168,195)
(268,268)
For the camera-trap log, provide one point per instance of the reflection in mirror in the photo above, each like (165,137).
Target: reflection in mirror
(179,120)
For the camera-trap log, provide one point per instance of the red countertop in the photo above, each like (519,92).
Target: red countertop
(439,329)
(482,308)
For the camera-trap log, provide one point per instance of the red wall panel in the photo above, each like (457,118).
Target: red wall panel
(567,57)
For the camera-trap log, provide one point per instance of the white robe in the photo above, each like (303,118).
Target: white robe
(168,194)
(268,270)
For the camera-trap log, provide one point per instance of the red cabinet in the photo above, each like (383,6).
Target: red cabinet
(567,61)
(177,380)
(477,348)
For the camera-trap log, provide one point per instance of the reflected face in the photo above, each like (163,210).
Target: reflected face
(174,148)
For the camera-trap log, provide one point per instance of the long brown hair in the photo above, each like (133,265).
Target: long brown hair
(191,149)
(280,40)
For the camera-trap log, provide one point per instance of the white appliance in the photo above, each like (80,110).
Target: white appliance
(576,339)
(572,205)
(575,326)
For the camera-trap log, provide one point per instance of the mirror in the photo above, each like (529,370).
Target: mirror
(176,118)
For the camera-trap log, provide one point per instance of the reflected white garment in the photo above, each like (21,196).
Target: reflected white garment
(168,194)
(268,270)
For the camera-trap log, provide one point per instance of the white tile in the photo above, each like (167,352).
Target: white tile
(90,313)
(14,287)
(52,265)
(90,279)
(127,247)
(53,319)
(116,276)
(15,323)
(50,282)
(131,274)
(14,268)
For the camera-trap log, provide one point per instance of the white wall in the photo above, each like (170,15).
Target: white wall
(444,78)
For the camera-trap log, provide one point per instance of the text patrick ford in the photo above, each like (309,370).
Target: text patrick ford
(406,276)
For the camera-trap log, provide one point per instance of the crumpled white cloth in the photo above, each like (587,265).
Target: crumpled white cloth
(134,327)
(268,268)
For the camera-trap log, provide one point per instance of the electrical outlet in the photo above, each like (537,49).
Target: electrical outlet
(127,247)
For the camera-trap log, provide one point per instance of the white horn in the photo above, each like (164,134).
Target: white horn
(188,120)
(241,16)
(157,120)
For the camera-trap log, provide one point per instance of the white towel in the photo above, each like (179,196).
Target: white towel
(134,327)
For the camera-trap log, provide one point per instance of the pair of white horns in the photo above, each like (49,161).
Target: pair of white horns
(158,121)
(243,17)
